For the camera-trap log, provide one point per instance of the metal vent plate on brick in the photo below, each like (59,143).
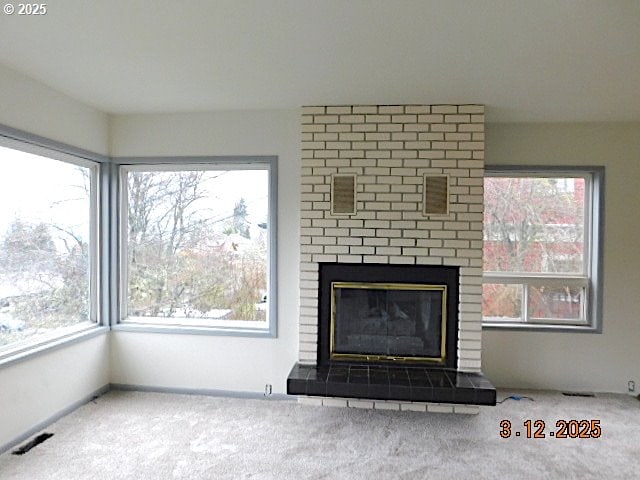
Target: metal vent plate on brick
(343,194)
(436,195)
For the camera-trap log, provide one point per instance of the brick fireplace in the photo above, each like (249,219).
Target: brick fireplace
(389,149)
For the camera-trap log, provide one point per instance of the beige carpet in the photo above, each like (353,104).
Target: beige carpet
(133,435)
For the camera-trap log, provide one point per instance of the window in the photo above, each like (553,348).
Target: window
(48,223)
(196,246)
(542,244)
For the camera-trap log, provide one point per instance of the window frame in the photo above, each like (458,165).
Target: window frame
(591,280)
(98,319)
(124,165)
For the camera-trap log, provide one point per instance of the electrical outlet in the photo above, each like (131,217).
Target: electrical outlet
(632,386)
(267,390)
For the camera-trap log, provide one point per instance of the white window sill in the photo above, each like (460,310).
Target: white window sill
(190,326)
(540,327)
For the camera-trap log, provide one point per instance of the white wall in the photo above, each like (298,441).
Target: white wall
(598,362)
(219,362)
(35,390)
(29,105)
(563,361)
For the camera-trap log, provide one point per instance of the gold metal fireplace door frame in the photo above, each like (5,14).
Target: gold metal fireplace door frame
(388,286)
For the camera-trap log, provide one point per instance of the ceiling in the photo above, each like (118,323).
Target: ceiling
(543,60)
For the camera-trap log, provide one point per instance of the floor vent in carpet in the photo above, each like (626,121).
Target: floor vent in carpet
(578,394)
(32,443)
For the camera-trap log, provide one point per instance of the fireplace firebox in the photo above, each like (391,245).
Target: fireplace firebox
(388,314)
(387,322)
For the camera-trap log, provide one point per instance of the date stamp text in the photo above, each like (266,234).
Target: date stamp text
(563,429)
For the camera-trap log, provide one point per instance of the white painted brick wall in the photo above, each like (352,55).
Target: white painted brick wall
(389,405)
(390,148)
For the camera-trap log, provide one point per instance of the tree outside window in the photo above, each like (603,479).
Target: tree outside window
(45,246)
(537,247)
(197,245)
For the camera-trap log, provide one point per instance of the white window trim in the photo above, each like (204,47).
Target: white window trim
(590,281)
(188,325)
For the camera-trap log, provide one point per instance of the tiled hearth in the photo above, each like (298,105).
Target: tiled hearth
(406,384)
(389,149)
